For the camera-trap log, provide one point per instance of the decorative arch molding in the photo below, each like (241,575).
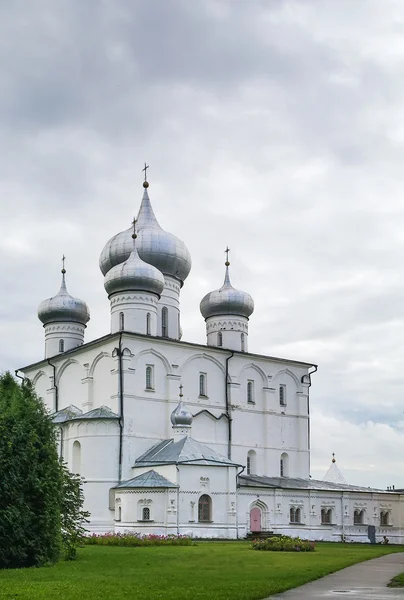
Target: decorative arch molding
(63,367)
(96,360)
(205,356)
(157,354)
(210,415)
(289,373)
(38,376)
(260,371)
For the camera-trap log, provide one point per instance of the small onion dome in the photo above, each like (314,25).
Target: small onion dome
(134,275)
(63,307)
(155,246)
(181,417)
(227,301)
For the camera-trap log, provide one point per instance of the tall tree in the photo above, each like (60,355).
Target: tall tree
(31,479)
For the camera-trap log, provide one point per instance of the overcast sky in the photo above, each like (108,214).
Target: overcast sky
(273,126)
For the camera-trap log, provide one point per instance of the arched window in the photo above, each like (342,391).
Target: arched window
(295,515)
(242,342)
(219,338)
(384,518)
(284,465)
(149,377)
(205,508)
(121,321)
(358,517)
(61,345)
(250,392)
(326,516)
(282,395)
(202,384)
(251,462)
(76,466)
(146,514)
(148,327)
(164,322)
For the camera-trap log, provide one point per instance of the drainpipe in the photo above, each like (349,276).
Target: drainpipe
(310,373)
(229,419)
(119,353)
(178,501)
(55,386)
(237,486)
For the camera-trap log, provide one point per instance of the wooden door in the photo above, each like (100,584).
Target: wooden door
(255,519)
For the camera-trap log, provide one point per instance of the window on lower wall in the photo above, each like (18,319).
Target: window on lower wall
(295,515)
(205,509)
(149,378)
(146,514)
(202,384)
(326,516)
(384,518)
(358,517)
(250,392)
(282,395)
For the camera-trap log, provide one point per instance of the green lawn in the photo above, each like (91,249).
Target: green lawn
(397,581)
(207,571)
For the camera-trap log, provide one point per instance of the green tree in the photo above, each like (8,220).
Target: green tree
(31,481)
(72,513)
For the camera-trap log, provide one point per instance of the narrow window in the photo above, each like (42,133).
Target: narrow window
(284,465)
(248,464)
(205,508)
(220,339)
(148,328)
(326,516)
(242,343)
(358,517)
(119,513)
(251,462)
(250,392)
(61,345)
(202,384)
(121,321)
(146,514)
(76,466)
(164,322)
(282,395)
(149,378)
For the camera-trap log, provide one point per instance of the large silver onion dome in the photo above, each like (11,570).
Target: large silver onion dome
(134,275)
(63,307)
(155,246)
(227,301)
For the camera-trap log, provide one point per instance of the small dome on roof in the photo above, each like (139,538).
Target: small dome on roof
(63,307)
(227,301)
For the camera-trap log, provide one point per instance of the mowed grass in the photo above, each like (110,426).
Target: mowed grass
(207,571)
(397,581)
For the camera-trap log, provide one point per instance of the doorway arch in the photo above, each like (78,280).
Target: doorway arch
(258,517)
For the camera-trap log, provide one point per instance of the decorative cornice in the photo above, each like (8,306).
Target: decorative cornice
(151,299)
(227,325)
(65,328)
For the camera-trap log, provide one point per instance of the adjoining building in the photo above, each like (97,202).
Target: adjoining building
(174,437)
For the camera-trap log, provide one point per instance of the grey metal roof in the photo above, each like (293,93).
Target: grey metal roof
(66,414)
(150,479)
(185,451)
(299,484)
(103,412)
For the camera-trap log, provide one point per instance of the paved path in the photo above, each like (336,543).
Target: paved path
(364,581)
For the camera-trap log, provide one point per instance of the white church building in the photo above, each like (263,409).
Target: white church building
(174,437)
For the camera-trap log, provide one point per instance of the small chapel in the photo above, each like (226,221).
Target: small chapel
(173,437)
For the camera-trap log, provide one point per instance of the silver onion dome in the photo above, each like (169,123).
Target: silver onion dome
(227,301)
(134,275)
(155,246)
(63,307)
(181,417)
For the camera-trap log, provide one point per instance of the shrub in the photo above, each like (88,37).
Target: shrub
(73,516)
(137,539)
(283,543)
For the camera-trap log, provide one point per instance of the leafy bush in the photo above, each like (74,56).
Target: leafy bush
(72,514)
(137,539)
(284,543)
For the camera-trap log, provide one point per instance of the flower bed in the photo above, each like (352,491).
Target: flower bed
(137,539)
(284,543)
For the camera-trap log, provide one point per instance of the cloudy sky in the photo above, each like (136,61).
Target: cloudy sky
(273,126)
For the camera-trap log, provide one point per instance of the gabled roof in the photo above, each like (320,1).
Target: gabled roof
(103,412)
(66,414)
(292,483)
(185,451)
(150,479)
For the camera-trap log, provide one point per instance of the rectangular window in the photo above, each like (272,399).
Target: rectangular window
(149,377)
(282,395)
(202,384)
(250,392)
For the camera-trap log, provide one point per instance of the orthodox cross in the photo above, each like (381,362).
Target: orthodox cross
(145,171)
(181,394)
(333,457)
(63,264)
(227,254)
